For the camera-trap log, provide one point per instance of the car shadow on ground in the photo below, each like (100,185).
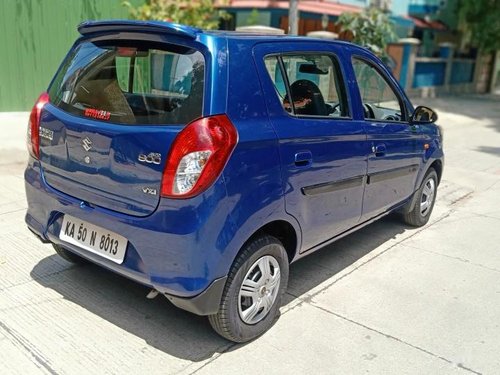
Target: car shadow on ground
(175,332)
(489,150)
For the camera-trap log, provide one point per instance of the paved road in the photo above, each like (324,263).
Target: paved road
(387,299)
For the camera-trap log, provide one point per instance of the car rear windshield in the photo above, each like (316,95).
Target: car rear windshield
(131,84)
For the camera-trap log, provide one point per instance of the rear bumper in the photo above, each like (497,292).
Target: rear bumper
(178,250)
(205,303)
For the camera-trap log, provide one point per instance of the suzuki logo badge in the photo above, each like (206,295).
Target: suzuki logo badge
(86,144)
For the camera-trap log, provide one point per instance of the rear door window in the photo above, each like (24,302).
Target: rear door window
(131,84)
(313,81)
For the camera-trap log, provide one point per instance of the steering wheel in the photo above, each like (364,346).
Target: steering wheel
(333,108)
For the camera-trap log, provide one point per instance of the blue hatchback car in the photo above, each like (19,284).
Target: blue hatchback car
(201,164)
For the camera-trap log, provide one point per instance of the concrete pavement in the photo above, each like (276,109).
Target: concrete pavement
(387,299)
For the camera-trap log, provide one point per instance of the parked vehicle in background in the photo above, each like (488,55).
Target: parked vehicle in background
(201,164)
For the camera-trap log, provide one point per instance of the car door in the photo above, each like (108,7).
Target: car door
(323,152)
(395,152)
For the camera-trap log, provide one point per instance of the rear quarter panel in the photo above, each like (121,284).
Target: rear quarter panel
(253,173)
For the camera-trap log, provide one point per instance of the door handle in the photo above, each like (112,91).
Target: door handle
(303,159)
(379,150)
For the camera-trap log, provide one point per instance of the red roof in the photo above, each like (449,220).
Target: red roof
(312,6)
(423,24)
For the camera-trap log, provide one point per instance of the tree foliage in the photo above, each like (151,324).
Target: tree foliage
(481,19)
(371,28)
(253,18)
(198,13)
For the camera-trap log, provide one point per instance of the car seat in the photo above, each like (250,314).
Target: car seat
(309,96)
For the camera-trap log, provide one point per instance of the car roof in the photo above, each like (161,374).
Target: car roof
(90,27)
(259,36)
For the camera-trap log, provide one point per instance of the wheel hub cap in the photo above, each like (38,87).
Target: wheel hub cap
(259,290)
(427,197)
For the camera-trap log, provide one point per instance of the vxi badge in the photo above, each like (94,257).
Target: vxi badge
(148,190)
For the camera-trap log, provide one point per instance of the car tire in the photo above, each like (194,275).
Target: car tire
(424,202)
(68,255)
(249,309)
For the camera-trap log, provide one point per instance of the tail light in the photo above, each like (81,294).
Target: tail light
(197,156)
(33,138)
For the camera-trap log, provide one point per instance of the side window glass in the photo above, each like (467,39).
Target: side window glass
(274,70)
(122,72)
(380,102)
(315,86)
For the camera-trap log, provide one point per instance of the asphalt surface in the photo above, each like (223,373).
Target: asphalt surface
(388,299)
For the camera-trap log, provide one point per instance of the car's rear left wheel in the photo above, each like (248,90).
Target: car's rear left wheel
(252,295)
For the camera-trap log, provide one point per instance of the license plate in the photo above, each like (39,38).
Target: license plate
(93,238)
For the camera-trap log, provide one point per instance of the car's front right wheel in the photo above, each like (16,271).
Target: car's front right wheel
(252,295)
(425,198)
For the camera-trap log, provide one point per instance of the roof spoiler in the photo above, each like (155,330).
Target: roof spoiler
(90,27)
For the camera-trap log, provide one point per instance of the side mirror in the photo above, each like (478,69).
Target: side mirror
(423,115)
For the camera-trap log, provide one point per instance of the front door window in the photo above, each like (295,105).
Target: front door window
(380,102)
